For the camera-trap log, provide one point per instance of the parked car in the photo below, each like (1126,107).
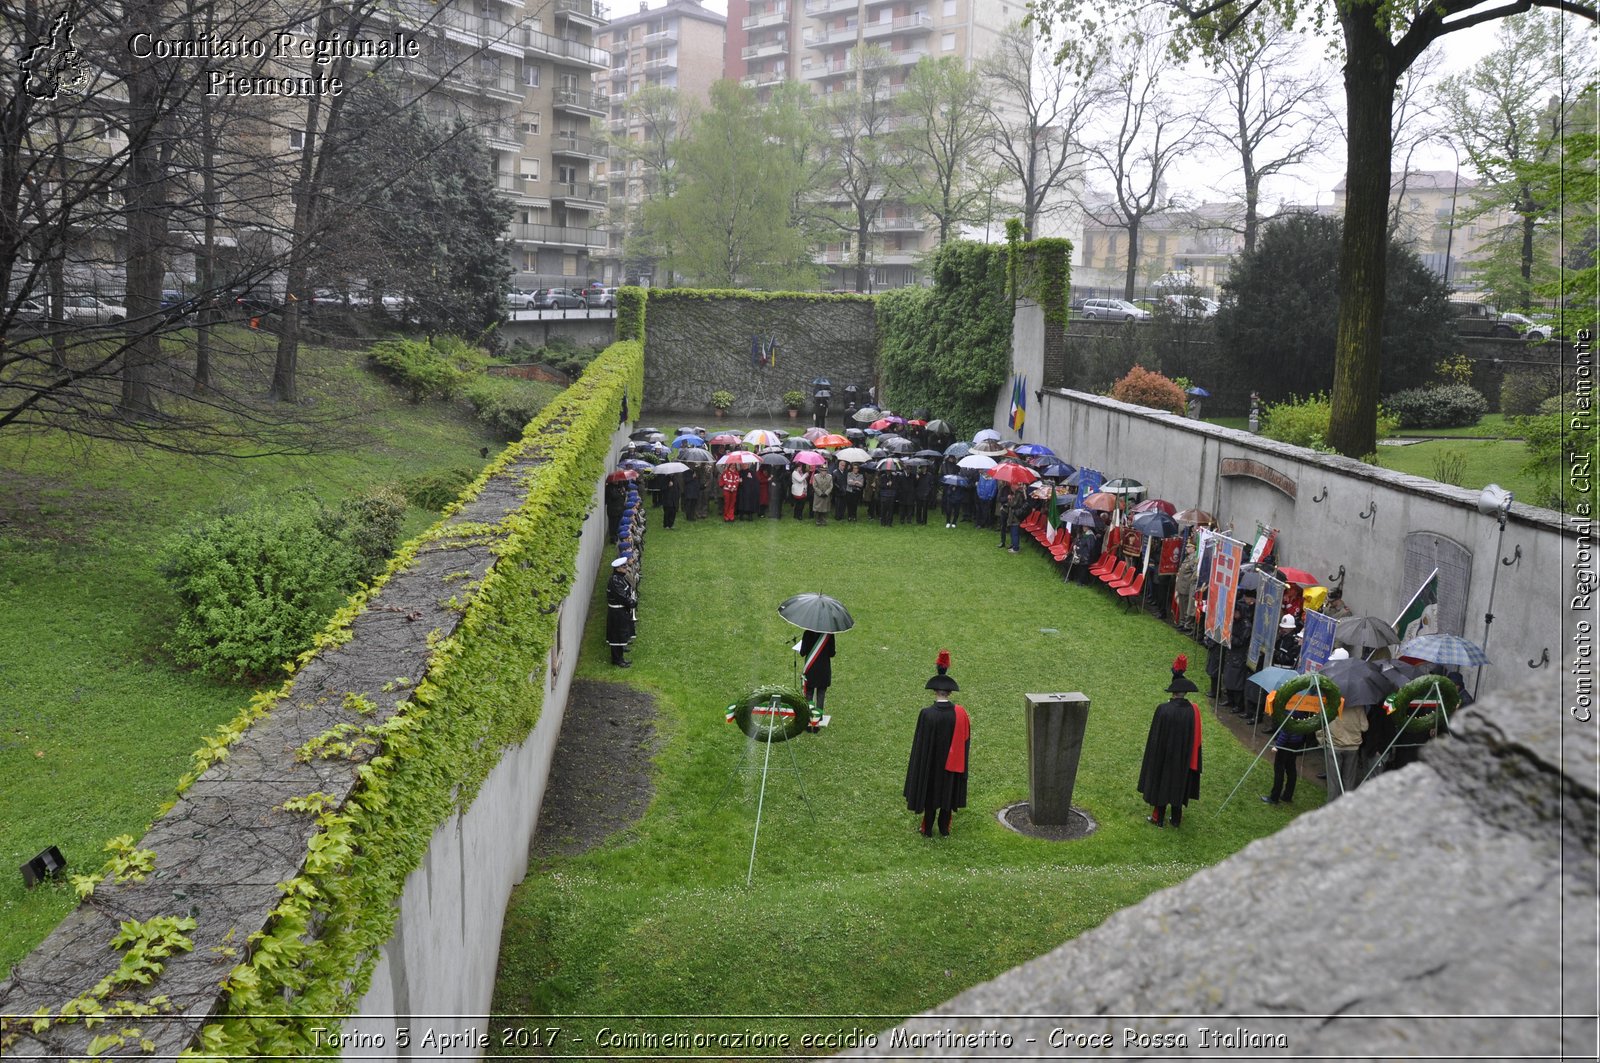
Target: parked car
(1113,310)
(1473,318)
(517,299)
(559,299)
(89,310)
(31,312)
(1527,327)
(1190,306)
(606,297)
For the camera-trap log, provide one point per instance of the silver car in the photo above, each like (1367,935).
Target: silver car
(1114,310)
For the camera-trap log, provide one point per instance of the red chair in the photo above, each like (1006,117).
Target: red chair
(1120,577)
(1133,590)
(1106,563)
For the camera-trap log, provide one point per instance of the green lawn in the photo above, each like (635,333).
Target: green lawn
(1469,463)
(96,725)
(850,910)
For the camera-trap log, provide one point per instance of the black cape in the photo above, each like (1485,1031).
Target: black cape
(1165,777)
(928,784)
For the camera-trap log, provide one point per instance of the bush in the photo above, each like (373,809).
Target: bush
(1524,389)
(417,368)
(369,524)
(436,490)
(505,405)
(255,585)
(1304,422)
(794,399)
(1145,388)
(1561,453)
(1444,406)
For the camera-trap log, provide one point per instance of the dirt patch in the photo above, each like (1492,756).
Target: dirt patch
(40,509)
(1018,817)
(601,780)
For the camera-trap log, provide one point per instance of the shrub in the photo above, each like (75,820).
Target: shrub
(1562,453)
(1444,406)
(255,585)
(505,405)
(369,524)
(630,313)
(1304,422)
(1143,387)
(721,399)
(435,490)
(794,399)
(417,367)
(1524,389)
(1450,467)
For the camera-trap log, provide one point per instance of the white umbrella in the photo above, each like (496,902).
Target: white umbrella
(866,415)
(853,454)
(976,461)
(762,437)
(669,467)
(987,433)
(738,457)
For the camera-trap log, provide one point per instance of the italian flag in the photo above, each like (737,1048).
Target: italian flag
(1052,521)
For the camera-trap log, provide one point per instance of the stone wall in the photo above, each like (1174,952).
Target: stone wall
(1443,911)
(586,328)
(1384,530)
(700,342)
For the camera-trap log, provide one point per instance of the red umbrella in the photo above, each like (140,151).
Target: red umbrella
(1013,474)
(1155,505)
(727,439)
(1298,575)
(919,422)
(1102,501)
(827,442)
(621,474)
(881,423)
(738,457)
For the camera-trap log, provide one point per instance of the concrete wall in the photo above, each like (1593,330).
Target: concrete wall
(586,328)
(696,344)
(438,970)
(1316,501)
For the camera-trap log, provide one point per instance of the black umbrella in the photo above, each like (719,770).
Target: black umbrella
(896,445)
(1361,682)
(916,463)
(816,612)
(822,382)
(1364,633)
(950,481)
(1249,579)
(957,450)
(797,443)
(1081,518)
(939,427)
(694,455)
(1156,524)
(644,433)
(778,458)
(935,455)
(855,433)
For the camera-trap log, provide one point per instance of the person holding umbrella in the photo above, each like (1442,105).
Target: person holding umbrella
(816,650)
(799,482)
(670,492)
(854,483)
(729,482)
(694,489)
(936,773)
(1169,776)
(888,493)
(820,618)
(821,494)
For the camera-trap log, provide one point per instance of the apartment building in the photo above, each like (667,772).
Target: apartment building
(678,46)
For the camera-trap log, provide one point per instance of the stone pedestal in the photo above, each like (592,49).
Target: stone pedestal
(1055,725)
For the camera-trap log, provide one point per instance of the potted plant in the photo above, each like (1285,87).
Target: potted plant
(794,400)
(721,400)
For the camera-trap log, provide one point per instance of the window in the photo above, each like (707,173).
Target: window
(567,175)
(530,169)
(297,138)
(948,42)
(534,123)
(530,75)
(569,265)
(949,8)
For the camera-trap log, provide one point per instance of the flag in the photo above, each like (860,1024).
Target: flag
(1266,539)
(1052,520)
(1019,403)
(1412,615)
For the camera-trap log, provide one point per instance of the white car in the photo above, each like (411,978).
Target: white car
(1527,327)
(87,310)
(1114,310)
(517,299)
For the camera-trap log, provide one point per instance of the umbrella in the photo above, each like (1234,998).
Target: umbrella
(882,423)
(809,457)
(726,439)
(1305,579)
(938,427)
(829,441)
(738,457)
(855,434)
(1202,393)
(797,443)
(1029,450)
(1364,633)
(1399,673)
(893,418)
(1123,486)
(812,434)
(635,464)
(780,458)
(1155,524)
(951,481)
(976,461)
(1250,579)
(821,382)
(694,455)
(888,465)
(1057,470)
(690,440)
(931,455)
(866,415)
(957,450)
(852,454)
(644,433)
(763,438)
(1194,516)
(1077,477)
(992,447)
(816,612)
(1155,505)
(987,433)
(1101,501)
(898,446)
(917,422)
(670,467)
(690,430)
(1014,474)
(1272,677)
(1081,518)
(915,463)
(621,474)
(1445,649)
(1361,682)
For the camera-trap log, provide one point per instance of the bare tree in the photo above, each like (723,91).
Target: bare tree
(1038,111)
(865,162)
(1149,135)
(1266,113)
(945,132)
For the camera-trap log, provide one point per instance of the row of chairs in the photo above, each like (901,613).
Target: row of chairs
(1120,577)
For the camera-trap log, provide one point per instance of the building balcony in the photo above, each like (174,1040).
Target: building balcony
(908,24)
(581,194)
(764,78)
(777,16)
(583,102)
(904,223)
(815,8)
(660,65)
(660,39)
(821,38)
(589,12)
(583,147)
(500,85)
(831,69)
(562,49)
(773,46)
(501,136)
(557,235)
(506,181)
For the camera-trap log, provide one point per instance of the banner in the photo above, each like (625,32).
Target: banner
(1224,589)
(1171,557)
(1264,629)
(1089,481)
(1266,539)
(1418,617)
(1319,642)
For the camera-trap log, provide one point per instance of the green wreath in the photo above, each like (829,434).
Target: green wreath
(1306,723)
(772,728)
(1422,689)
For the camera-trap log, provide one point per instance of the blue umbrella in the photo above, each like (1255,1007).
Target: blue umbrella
(1199,393)
(1028,450)
(950,481)
(957,450)
(690,440)
(1057,470)
(1272,677)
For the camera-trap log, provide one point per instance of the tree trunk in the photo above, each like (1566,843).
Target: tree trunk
(863,234)
(1133,259)
(1369,84)
(1529,210)
(146,227)
(205,264)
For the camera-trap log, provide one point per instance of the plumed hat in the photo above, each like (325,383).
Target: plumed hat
(942,682)
(1180,684)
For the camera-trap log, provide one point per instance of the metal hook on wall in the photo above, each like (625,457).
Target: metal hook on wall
(1337,579)
(1323,496)
(1514,559)
(1544,659)
(1371,512)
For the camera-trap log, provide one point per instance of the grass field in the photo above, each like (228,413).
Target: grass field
(850,912)
(96,725)
(1469,463)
